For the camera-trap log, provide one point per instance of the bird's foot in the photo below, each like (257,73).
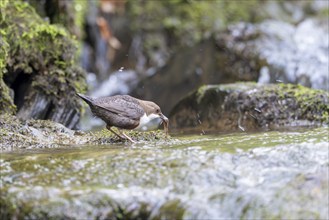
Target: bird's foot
(129,138)
(123,137)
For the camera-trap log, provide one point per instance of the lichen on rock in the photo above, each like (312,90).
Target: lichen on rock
(41,66)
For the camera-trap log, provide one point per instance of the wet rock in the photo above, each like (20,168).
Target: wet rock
(32,134)
(247,106)
(40,67)
(238,176)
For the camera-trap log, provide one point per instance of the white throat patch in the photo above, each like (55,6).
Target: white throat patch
(149,122)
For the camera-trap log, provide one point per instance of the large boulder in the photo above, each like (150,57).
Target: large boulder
(39,72)
(249,106)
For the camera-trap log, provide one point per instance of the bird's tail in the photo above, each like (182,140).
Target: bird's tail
(86,98)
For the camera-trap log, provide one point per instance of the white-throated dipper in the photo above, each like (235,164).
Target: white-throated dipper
(126,112)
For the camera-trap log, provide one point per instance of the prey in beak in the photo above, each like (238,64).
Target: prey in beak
(165,122)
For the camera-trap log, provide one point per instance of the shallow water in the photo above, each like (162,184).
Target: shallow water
(274,174)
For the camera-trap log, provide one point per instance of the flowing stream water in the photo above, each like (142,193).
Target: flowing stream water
(270,174)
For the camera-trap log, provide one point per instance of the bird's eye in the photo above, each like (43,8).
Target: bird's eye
(158,111)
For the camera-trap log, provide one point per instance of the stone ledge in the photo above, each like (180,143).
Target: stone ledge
(249,106)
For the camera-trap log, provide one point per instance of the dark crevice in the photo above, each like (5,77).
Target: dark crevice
(20,86)
(50,111)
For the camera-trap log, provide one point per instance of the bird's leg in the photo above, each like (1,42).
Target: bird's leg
(109,128)
(129,138)
(125,137)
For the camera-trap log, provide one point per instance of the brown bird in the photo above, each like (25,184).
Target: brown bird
(126,112)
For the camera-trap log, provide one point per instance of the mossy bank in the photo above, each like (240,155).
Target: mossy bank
(248,106)
(39,74)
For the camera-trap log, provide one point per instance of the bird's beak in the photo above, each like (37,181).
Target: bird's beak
(164,118)
(165,121)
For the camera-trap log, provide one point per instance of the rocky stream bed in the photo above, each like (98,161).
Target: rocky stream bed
(254,175)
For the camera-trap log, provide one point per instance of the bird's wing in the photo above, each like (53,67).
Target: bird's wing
(123,105)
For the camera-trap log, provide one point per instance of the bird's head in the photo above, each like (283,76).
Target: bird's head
(153,111)
(152,117)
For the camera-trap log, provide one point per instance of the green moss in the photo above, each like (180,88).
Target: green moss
(3,54)
(310,101)
(3,4)
(312,104)
(6,102)
(47,52)
(34,43)
(69,14)
(200,92)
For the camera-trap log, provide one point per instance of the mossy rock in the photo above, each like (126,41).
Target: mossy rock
(6,101)
(18,134)
(248,106)
(70,14)
(40,66)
